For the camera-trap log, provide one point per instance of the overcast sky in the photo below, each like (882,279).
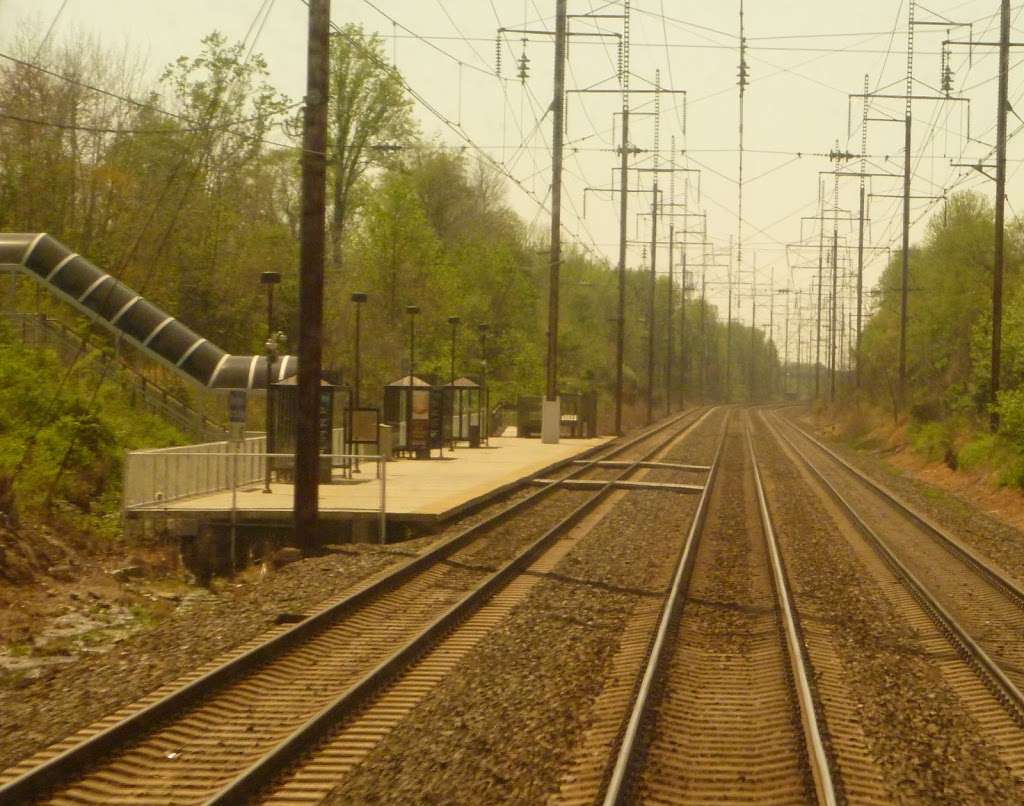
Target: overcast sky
(805,57)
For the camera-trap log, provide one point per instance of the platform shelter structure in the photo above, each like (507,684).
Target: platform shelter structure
(417,413)
(464,403)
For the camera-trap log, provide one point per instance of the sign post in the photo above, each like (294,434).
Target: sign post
(236,418)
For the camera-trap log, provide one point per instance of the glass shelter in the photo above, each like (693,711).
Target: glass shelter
(417,413)
(463,399)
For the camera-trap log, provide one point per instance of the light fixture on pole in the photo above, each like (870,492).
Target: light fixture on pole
(358,297)
(454,321)
(483,328)
(268,280)
(412,310)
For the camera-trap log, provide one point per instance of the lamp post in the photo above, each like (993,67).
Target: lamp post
(482,328)
(358,297)
(269,279)
(412,310)
(454,321)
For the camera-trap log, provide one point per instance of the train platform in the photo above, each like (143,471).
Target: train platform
(414,491)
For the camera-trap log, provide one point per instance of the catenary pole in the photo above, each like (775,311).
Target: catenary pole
(620,336)
(997,274)
(551,415)
(905,257)
(311,275)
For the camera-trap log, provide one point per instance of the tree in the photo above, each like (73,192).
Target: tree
(368,109)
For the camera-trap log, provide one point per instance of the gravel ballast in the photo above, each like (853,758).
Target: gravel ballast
(991,537)
(206,624)
(502,727)
(929,749)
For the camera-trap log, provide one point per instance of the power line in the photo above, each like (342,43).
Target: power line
(193,126)
(49,30)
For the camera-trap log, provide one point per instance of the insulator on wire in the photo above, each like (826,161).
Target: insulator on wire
(497,55)
(946,79)
(524,65)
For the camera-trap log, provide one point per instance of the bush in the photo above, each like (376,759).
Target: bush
(977,453)
(996,453)
(1011,415)
(63,436)
(933,440)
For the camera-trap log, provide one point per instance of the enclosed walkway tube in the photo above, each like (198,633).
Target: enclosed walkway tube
(125,313)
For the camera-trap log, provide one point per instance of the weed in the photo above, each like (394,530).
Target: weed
(144,616)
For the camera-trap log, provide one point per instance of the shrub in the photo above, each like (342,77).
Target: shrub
(934,440)
(63,435)
(996,453)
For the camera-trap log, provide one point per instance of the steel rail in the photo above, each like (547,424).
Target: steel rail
(70,763)
(818,757)
(267,768)
(999,579)
(618,785)
(970,650)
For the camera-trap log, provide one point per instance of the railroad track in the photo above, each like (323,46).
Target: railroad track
(953,600)
(979,604)
(230,729)
(726,706)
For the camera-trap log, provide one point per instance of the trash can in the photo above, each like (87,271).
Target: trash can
(386,441)
(474,435)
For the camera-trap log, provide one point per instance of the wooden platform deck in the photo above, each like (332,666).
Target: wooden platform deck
(416,490)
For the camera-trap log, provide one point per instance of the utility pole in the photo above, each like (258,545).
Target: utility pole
(753,334)
(743,76)
(835,290)
(651,303)
(703,335)
(835,281)
(683,343)
(799,338)
(669,357)
(771,330)
(860,226)
(908,97)
(551,412)
(620,336)
(785,374)
(997,273)
(821,270)
(652,309)
(311,275)
(728,329)
(905,257)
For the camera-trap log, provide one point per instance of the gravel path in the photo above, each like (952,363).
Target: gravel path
(929,749)
(993,538)
(503,726)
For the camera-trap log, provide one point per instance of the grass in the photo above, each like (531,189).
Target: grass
(12,678)
(995,454)
(19,649)
(62,645)
(146,617)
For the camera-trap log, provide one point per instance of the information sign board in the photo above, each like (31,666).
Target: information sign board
(236,414)
(363,426)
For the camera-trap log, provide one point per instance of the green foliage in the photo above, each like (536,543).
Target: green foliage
(62,443)
(933,440)
(1011,415)
(978,453)
(368,115)
(996,454)
(189,209)
(949,325)
(949,341)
